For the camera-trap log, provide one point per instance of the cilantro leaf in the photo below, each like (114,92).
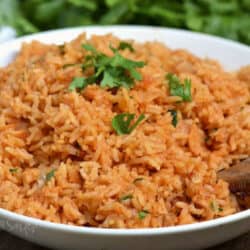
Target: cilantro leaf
(126,197)
(125,45)
(187,96)
(13,170)
(215,207)
(69,65)
(137,180)
(121,123)
(177,88)
(89,47)
(220,209)
(109,79)
(111,72)
(81,83)
(61,48)
(50,175)
(174,117)
(142,214)
(114,77)
(119,61)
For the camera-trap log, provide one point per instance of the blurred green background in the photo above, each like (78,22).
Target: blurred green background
(226,18)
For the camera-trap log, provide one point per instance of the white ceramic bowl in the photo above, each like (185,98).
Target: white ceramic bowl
(6,33)
(196,236)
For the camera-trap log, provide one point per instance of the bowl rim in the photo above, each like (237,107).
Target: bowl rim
(179,229)
(12,216)
(109,28)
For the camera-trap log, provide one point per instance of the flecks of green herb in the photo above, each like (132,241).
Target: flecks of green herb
(61,48)
(13,170)
(70,65)
(142,214)
(80,83)
(174,117)
(50,175)
(115,71)
(137,180)
(126,45)
(215,207)
(126,197)
(89,47)
(176,88)
(121,123)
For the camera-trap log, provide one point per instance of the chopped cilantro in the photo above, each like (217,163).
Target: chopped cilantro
(61,48)
(142,214)
(220,209)
(13,170)
(121,123)
(50,175)
(115,71)
(215,207)
(70,65)
(126,197)
(89,47)
(126,45)
(80,83)
(137,180)
(177,88)
(174,117)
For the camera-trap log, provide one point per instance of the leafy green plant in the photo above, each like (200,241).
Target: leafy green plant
(228,18)
(11,15)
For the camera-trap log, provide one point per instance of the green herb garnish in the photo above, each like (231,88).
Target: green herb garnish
(137,180)
(174,117)
(177,88)
(220,209)
(50,175)
(111,72)
(13,170)
(61,48)
(142,214)
(70,65)
(125,45)
(126,197)
(121,123)
(89,47)
(80,83)
(215,207)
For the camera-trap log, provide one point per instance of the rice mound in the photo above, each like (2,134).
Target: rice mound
(170,173)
